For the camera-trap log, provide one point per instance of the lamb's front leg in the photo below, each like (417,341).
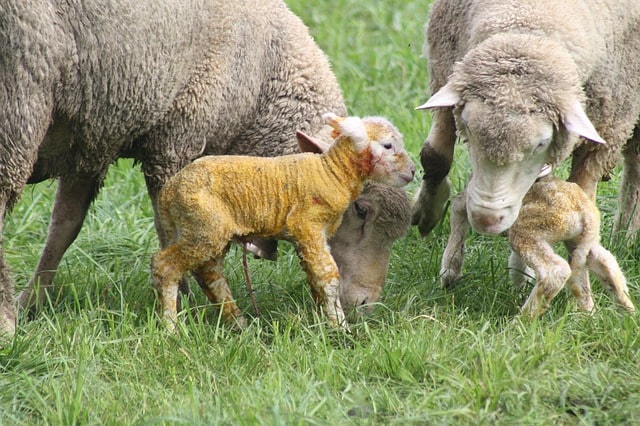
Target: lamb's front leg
(436,157)
(323,275)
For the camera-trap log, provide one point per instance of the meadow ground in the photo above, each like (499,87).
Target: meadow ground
(97,354)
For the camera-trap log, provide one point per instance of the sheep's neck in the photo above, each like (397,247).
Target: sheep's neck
(349,167)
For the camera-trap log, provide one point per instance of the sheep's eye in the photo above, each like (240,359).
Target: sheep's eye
(387,146)
(543,144)
(361,211)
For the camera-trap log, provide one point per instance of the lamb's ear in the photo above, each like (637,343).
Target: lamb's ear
(351,127)
(447,96)
(309,144)
(576,121)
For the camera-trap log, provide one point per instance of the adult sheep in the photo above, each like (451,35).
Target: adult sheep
(85,83)
(528,82)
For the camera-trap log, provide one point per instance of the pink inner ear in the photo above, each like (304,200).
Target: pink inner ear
(576,121)
(308,144)
(445,97)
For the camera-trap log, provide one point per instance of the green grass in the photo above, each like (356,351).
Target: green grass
(425,356)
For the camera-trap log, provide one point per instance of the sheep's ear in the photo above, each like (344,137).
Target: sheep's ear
(309,144)
(447,96)
(576,121)
(351,127)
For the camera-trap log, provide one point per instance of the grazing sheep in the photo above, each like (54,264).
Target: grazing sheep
(297,197)
(552,211)
(529,82)
(85,83)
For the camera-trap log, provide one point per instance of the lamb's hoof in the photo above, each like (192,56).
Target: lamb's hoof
(237,323)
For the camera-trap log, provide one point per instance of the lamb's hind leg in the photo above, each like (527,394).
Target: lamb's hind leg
(552,271)
(73,197)
(579,280)
(212,281)
(605,266)
(168,267)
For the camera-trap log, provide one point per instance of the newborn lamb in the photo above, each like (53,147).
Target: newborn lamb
(555,210)
(300,197)
(552,211)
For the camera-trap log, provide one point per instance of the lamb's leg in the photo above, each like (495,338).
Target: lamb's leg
(519,271)
(552,271)
(322,273)
(628,214)
(436,156)
(453,256)
(579,280)
(605,266)
(154,186)
(73,197)
(212,281)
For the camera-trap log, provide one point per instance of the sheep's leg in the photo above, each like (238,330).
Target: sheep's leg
(628,214)
(436,157)
(215,287)
(323,276)
(73,197)
(7,303)
(453,256)
(605,266)
(552,271)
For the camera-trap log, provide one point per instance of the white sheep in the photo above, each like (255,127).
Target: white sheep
(552,211)
(527,83)
(302,197)
(163,82)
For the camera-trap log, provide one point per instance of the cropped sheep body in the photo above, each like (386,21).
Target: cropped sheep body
(83,83)
(522,66)
(300,197)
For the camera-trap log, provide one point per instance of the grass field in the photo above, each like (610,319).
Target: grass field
(425,356)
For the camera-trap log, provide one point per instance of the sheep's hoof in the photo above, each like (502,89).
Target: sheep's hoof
(449,278)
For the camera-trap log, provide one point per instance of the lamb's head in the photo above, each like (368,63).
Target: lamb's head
(518,104)
(388,161)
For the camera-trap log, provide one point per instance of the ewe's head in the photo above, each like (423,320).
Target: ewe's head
(518,104)
(379,143)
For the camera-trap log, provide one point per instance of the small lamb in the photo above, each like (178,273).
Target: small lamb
(300,197)
(552,211)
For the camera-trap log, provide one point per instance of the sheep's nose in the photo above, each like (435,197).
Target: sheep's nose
(487,220)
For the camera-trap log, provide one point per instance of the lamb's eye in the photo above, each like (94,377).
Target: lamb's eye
(387,146)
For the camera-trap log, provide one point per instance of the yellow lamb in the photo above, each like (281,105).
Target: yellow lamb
(552,211)
(301,198)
